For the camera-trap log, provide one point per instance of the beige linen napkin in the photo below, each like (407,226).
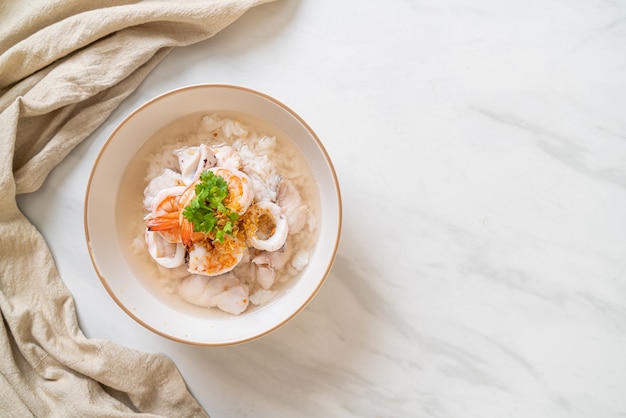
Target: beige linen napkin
(64,66)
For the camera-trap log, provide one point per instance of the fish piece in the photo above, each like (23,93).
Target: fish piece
(225,292)
(288,198)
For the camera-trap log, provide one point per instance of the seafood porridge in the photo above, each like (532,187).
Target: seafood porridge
(225,214)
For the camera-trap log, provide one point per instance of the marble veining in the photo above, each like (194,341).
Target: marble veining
(481,151)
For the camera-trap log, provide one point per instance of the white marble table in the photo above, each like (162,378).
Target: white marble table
(481,150)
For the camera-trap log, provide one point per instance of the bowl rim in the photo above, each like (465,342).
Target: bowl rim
(111,137)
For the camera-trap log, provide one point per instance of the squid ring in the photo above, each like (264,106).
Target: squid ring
(279,232)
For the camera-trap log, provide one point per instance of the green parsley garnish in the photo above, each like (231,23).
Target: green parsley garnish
(207,211)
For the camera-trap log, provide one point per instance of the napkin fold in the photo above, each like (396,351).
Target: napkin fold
(65,65)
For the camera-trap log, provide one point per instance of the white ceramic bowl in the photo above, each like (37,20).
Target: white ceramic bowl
(123,281)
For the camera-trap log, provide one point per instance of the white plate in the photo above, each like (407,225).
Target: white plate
(103,239)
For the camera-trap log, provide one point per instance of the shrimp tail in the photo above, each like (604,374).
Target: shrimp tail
(186,232)
(163,223)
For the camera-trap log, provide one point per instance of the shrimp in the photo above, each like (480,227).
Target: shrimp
(211,258)
(164,214)
(269,227)
(187,233)
(240,193)
(167,217)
